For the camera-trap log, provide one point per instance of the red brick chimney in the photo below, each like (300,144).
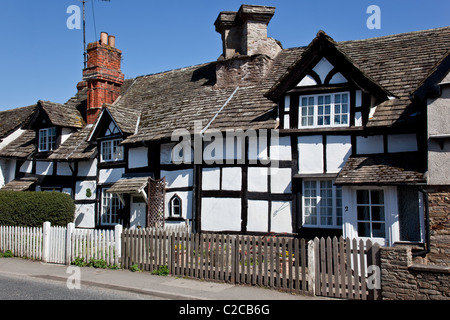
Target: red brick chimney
(102,75)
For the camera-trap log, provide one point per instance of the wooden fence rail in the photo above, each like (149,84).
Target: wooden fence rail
(273,262)
(343,266)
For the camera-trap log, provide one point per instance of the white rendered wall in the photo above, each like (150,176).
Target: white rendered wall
(281,182)
(369,145)
(211,179)
(44,168)
(402,142)
(85,215)
(221,214)
(81,188)
(63,169)
(26,167)
(281,217)
(310,154)
(231,178)
(257,179)
(178,178)
(339,148)
(87,168)
(137,157)
(257,217)
(110,175)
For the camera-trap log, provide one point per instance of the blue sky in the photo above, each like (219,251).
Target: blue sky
(42,59)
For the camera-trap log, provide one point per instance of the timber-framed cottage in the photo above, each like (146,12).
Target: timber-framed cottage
(333,138)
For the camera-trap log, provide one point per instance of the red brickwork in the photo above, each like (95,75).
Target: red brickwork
(102,77)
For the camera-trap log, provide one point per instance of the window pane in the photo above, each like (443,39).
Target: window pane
(363,213)
(378,230)
(377,213)
(364,229)
(362,196)
(377,196)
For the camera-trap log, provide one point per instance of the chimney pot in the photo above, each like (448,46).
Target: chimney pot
(104,38)
(112,41)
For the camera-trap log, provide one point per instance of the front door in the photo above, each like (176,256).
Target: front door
(138,212)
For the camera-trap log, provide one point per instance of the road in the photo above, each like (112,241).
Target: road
(13,287)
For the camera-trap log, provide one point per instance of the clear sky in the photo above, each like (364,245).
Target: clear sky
(42,59)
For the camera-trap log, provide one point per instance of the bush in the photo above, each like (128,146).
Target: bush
(32,209)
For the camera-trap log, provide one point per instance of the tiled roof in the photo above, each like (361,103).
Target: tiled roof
(129,185)
(75,147)
(20,184)
(22,147)
(384,169)
(11,120)
(63,115)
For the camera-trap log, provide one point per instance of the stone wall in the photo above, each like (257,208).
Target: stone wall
(439,209)
(403,280)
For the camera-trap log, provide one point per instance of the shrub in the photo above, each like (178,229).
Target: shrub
(32,209)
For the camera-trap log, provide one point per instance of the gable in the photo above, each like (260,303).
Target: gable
(105,126)
(324,64)
(323,73)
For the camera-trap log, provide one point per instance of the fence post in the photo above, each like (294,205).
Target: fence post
(46,241)
(311,268)
(69,231)
(118,243)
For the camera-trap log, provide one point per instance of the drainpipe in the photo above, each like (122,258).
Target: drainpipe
(427,227)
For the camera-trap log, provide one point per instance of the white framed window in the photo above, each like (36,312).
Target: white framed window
(47,139)
(111,150)
(111,205)
(324,110)
(175,206)
(322,204)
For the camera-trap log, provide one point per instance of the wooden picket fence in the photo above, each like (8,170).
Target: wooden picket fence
(273,262)
(347,268)
(22,241)
(61,244)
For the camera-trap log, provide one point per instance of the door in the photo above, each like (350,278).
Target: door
(371,213)
(138,212)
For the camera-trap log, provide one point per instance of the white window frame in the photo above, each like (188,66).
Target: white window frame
(314,107)
(111,150)
(315,203)
(172,207)
(111,204)
(47,139)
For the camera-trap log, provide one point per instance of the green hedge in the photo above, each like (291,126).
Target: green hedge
(32,209)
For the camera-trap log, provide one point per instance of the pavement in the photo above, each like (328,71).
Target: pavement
(168,287)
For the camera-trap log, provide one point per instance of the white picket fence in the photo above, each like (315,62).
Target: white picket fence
(22,241)
(62,244)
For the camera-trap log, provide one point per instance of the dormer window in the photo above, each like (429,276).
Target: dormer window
(47,139)
(324,110)
(111,150)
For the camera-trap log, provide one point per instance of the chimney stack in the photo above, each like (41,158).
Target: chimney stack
(102,76)
(247,51)
(245,32)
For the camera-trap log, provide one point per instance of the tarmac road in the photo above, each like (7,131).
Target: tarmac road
(13,287)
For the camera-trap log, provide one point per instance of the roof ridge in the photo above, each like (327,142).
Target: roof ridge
(396,35)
